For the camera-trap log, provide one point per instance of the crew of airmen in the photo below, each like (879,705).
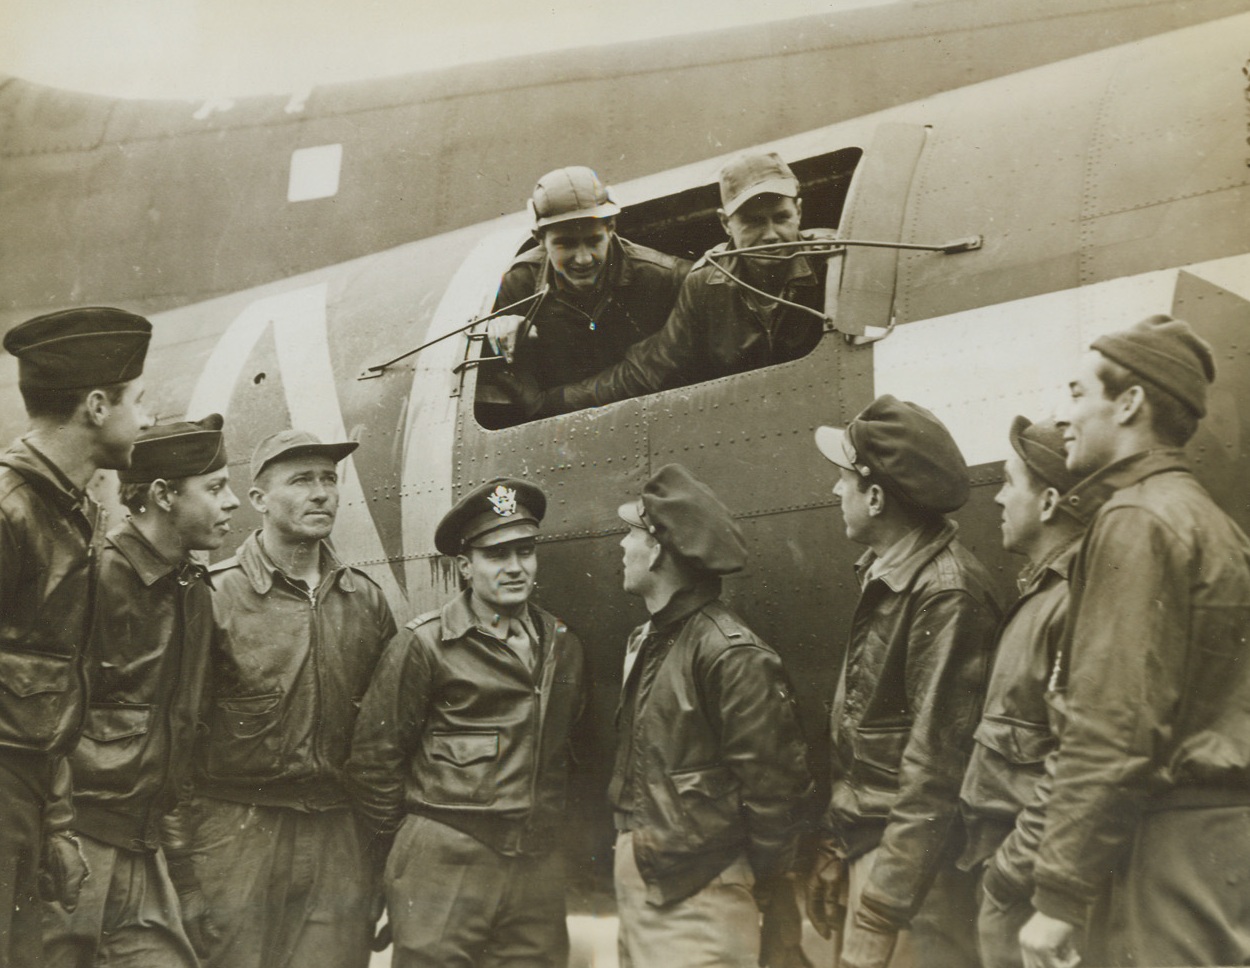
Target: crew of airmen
(247,764)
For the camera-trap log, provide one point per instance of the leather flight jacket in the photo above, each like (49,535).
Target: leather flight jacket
(46,592)
(146,673)
(289,669)
(458,728)
(711,762)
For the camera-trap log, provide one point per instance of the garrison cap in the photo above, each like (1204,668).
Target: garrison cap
(1040,446)
(172,451)
(501,510)
(296,443)
(762,173)
(571,193)
(687,518)
(76,349)
(906,448)
(1168,353)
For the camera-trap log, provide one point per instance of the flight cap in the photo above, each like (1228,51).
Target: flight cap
(76,349)
(1040,446)
(1168,353)
(687,518)
(762,173)
(906,449)
(501,510)
(296,443)
(571,193)
(172,451)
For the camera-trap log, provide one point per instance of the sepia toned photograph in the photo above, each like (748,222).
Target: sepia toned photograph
(634,485)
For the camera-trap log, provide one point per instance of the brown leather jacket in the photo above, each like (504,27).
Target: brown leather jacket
(46,590)
(909,701)
(288,672)
(456,727)
(146,670)
(1158,697)
(711,761)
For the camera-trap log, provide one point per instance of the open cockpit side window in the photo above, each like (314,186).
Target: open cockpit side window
(684,225)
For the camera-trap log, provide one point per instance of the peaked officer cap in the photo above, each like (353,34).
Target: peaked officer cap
(688,519)
(76,349)
(501,510)
(175,450)
(1168,353)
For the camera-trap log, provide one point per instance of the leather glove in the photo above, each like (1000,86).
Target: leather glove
(197,918)
(502,334)
(824,891)
(867,945)
(533,401)
(62,869)
(781,936)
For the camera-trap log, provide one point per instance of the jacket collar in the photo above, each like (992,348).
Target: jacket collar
(685,603)
(1059,562)
(801,271)
(1085,500)
(260,569)
(902,572)
(458,618)
(148,563)
(27,460)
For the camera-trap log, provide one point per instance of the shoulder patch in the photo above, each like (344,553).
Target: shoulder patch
(423,618)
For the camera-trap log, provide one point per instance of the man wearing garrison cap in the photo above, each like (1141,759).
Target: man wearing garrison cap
(908,700)
(79,375)
(461,751)
(271,865)
(1147,835)
(592,294)
(710,784)
(1002,799)
(145,675)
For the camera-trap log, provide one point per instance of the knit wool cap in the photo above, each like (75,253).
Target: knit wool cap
(687,518)
(1168,353)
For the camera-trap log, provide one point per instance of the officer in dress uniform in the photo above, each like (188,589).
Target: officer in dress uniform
(461,751)
(79,372)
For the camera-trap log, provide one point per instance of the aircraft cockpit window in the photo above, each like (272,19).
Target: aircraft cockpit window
(638,325)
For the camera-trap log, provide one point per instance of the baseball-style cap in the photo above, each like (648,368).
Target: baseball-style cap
(296,443)
(571,193)
(1040,446)
(501,510)
(687,518)
(173,451)
(75,349)
(1168,353)
(906,449)
(747,176)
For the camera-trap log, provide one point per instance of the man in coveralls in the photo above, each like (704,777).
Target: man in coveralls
(145,673)
(462,746)
(79,374)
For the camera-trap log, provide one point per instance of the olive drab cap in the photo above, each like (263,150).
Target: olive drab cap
(747,176)
(77,349)
(1168,353)
(687,518)
(571,193)
(1040,445)
(906,449)
(173,451)
(296,443)
(504,509)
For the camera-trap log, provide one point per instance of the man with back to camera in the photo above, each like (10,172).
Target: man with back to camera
(145,673)
(719,325)
(271,865)
(1000,798)
(710,785)
(79,372)
(1147,832)
(908,700)
(597,293)
(462,746)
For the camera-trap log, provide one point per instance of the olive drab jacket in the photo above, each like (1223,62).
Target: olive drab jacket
(908,703)
(458,728)
(290,666)
(46,591)
(1158,695)
(711,762)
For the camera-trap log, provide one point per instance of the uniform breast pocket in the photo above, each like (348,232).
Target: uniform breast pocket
(245,736)
(460,767)
(110,754)
(34,696)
